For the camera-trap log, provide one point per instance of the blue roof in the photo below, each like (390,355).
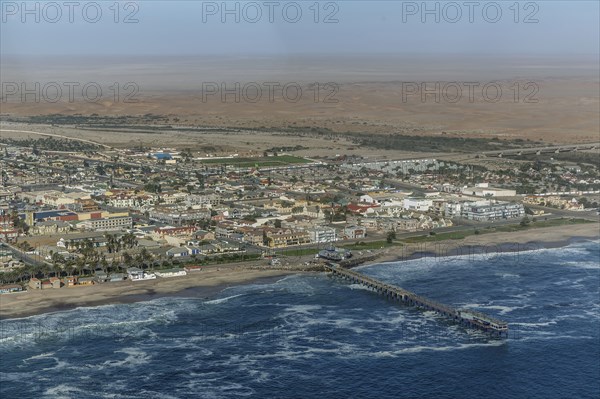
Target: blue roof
(52,214)
(163,155)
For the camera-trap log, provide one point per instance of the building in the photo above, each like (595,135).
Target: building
(335,254)
(70,281)
(7,231)
(322,234)
(55,281)
(182,232)
(101,277)
(279,238)
(86,281)
(62,215)
(407,224)
(107,224)
(417,204)
(137,274)
(180,252)
(488,210)
(483,190)
(50,227)
(117,277)
(355,232)
(178,217)
(10,288)
(171,273)
(35,284)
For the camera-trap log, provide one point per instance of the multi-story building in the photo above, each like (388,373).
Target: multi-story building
(50,227)
(417,204)
(354,232)
(178,216)
(322,234)
(485,211)
(286,237)
(106,224)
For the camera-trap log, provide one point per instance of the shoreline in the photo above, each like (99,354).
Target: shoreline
(205,284)
(213,280)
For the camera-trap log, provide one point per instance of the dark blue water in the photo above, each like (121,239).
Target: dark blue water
(313,336)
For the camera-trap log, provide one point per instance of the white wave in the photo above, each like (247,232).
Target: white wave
(502,309)
(222,300)
(359,287)
(538,324)
(303,309)
(420,348)
(65,391)
(547,337)
(135,357)
(583,265)
(40,356)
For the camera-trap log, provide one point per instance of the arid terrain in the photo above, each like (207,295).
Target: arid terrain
(556,101)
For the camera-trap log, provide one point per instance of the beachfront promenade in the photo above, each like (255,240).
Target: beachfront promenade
(468,318)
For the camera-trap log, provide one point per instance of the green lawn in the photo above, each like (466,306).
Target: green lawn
(281,160)
(370,245)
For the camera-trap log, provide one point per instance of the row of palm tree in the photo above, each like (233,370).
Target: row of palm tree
(90,261)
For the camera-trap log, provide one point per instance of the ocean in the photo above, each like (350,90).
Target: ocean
(314,336)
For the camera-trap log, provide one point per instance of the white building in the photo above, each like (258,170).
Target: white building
(171,273)
(106,224)
(485,210)
(137,274)
(484,190)
(322,234)
(367,199)
(417,204)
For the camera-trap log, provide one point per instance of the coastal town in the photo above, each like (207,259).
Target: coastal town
(78,213)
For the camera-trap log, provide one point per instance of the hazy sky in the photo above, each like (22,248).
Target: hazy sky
(389,27)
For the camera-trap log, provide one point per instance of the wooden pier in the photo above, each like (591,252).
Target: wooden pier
(466,317)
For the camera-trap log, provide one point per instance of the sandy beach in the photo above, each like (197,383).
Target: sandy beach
(205,283)
(212,280)
(526,240)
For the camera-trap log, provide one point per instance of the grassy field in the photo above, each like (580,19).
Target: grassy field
(361,245)
(281,160)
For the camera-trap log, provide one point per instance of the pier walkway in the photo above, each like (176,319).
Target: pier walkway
(466,317)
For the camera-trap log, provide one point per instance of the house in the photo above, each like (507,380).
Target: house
(10,288)
(50,227)
(101,277)
(137,274)
(86,281)
(228,246)
(181,252)
(70,281)
(117,277)
(55,282)
(366,198)
(407,224)
(355,232)
(203,235)
(35,284)
(171,273)
(361,209)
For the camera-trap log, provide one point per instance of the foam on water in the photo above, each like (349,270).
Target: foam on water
(315,336)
